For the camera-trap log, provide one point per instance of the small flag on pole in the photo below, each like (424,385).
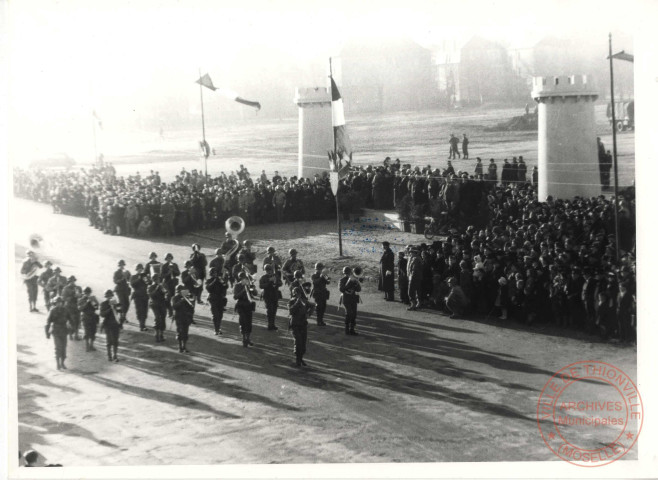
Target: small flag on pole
(206,81)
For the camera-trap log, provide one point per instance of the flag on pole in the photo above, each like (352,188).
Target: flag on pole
(342,143)
(624,56)
(206,81)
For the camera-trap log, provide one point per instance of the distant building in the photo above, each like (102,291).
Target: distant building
(381,75)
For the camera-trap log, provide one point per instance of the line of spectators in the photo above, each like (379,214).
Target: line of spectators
(552,261)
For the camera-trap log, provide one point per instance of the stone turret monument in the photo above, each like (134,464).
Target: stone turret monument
(315,130)
(567,150)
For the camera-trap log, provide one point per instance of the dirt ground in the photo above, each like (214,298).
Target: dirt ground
(412,387)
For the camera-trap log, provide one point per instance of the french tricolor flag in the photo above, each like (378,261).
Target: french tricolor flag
(343,146)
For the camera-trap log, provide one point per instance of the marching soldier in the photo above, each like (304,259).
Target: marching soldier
(349,287)
(153,265)
(183,316)
(217,262)
(244,307)
(43,281)
(217,286)
(273,259)
(320,292)
(70,294)
(158,304)
(109,312)
(57,325)
(87,306)
(291,266)
(140,295)
(122,290)
(190,281)
(169,274)
(31,279)
(249,257)
(297,308)
(269,284)
(55,284)
(240,266)
(199,262)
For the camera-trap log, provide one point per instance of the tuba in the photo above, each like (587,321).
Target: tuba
(235,226)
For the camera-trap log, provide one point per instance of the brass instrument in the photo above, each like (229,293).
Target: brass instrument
(235,226)
(197,282)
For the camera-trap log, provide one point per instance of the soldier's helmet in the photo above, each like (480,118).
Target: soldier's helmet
(109,293)
(153,255)
(347,270)
(319,266)
(242,276)
(57,270)
(188,263)
(268,268)
(72,278)
(139,266)
(169,256)
(87,290)
(121,263)
(270,249)
(296,292)
(218,251)
(212,270)
(298,274)
(179,287)
(292,252)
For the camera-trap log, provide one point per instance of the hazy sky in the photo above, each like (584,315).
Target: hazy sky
(66,55)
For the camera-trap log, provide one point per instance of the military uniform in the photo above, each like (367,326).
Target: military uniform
(111,325)
(199,262)
(122,291)
(320,295)
(183,316)
(244,308)
(55,284)
(57,325)
(158,304)
(299,326)
(292,265)
(269,284)
(45,276)
(217,286)
(349,288)
(70,295)
(169,276)
(140,297)
(87,306)
(31,280)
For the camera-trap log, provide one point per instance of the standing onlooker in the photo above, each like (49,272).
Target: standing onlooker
(465,143)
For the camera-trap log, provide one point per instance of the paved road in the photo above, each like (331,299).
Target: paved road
(412,388)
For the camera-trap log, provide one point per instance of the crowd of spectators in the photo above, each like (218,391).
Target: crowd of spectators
(553,261)
(146,206)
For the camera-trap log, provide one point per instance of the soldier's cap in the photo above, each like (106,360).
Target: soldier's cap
(57,269)
(87,290)
(109,293)
(268,268)
(347,270)
(169,256)
(121,263)
(270,249)
(386,244)
(72,278)
(319,266)
(153,255)
(292,251)
(298,274)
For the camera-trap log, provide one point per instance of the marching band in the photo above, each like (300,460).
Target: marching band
(166,291)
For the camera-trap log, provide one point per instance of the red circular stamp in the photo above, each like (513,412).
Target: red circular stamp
(590,413)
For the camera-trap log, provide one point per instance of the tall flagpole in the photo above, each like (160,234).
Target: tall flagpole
(333,132)
(203,128)
(614,144)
